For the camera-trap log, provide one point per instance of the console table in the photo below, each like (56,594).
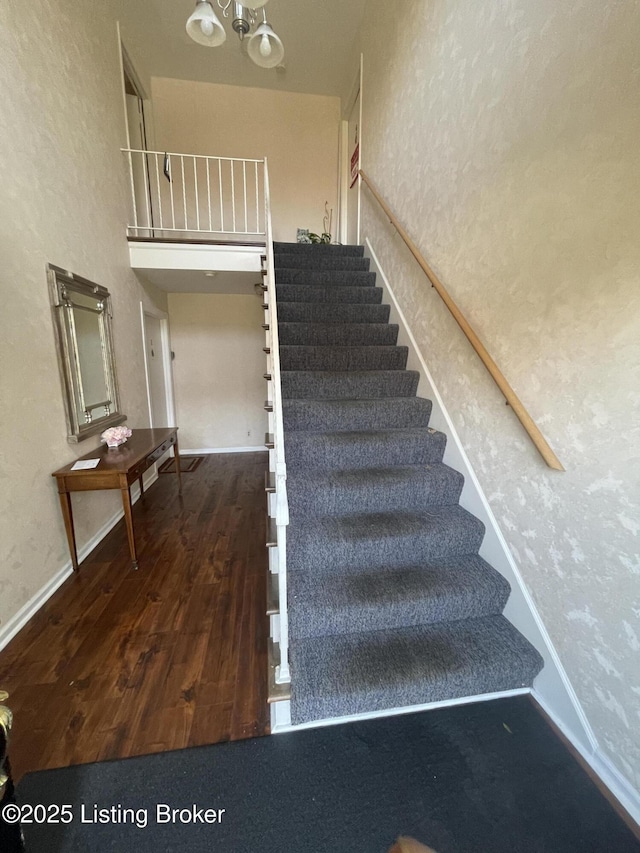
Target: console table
(117,469)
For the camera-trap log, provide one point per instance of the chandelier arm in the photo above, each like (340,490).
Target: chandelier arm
(225,7)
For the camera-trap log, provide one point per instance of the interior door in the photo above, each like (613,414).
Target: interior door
(139,162)
(156,371)
(353,164)
(351,181)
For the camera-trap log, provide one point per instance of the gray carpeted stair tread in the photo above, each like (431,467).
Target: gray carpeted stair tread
(361,490)
(340,334)
(326,261)
(336,279)
(328,294)
(343,358)
(354,673)
(359,449)
(346,384)
(316,250)
(358,543)
(318,312)
(390,604)
(354,415)
(464,588)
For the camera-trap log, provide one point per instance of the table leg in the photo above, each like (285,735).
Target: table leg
(128,515)
(176,453)
(67,515)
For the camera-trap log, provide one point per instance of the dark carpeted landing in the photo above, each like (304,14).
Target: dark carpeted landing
(483,778)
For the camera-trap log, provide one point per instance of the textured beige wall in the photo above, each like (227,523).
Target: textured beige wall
(218,369)
(297,133)
(506,139)
(63,201)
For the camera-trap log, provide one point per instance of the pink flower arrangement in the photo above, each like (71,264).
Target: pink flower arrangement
(115,436)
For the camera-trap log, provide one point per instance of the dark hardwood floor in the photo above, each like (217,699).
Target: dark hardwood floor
(120,663)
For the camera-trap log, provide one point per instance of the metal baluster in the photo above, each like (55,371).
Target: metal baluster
(158,188)
(173,210)
(244,180)
(233,197)
(147,189)
(257,200)
(209,195)
(195,182)
(220,187)
(184,195)
(133,195)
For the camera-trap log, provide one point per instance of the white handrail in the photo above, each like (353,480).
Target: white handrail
(279,468)
(209,199)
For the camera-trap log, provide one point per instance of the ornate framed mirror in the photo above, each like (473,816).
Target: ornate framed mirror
(82,318)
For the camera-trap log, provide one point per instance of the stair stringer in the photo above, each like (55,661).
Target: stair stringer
(552,687)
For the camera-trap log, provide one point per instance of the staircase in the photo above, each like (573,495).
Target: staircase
(390,604)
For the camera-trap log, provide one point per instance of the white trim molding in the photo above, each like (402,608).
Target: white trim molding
(204,451)
(31,607)
(282,721)
(601,765)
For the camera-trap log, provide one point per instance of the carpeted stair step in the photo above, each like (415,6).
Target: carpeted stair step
(397,489)
(338,675)
(464,588)
(317,250)
(343,358)
(354,415)
(332,278)
(344,384)
(318,312)
(324,261)
(390,604)
(383,448)
(340,334)
(330,293)
(359,543)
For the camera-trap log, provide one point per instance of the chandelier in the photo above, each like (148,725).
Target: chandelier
(263,46)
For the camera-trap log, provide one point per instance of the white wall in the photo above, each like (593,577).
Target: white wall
(506,140)
(297,133)
(63,201)
(218,369)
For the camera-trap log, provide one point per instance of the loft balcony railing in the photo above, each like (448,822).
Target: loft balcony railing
(192,195)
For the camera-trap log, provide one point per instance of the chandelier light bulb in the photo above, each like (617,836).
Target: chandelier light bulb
(265,46)
(204,27)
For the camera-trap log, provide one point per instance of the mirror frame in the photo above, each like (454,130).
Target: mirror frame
(80,423)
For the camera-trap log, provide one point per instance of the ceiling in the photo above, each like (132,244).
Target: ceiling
(198,281)
(318,35)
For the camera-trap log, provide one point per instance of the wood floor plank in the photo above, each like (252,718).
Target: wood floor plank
(120,663)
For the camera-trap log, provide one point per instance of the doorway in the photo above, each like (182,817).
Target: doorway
(136,105)
(158,368)
(351,160)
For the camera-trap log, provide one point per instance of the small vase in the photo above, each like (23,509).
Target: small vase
(114,445)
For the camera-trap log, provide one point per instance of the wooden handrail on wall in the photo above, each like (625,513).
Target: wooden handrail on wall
(511,397)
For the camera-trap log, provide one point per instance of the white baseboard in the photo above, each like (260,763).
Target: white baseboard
(602,766)
(281,727)
(204,451)
(28,610)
